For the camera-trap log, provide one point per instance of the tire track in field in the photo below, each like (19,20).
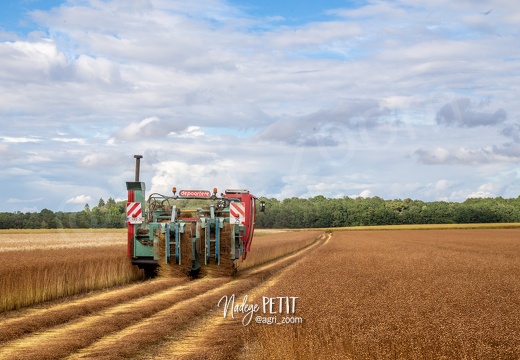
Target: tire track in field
(28,321)
(181,316)
(121,322)
(63,339)
(200,340)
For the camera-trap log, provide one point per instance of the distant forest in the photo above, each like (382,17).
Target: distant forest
(316,212)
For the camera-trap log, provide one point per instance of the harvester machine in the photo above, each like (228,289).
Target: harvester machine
(193,232)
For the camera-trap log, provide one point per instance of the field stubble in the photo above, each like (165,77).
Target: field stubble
(39,266)
(451,294)
(104,324)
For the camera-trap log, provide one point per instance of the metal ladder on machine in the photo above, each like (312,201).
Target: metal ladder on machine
(176,236)
(208,240)
(237,245)
(176,242)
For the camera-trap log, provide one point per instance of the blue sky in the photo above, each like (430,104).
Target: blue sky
(293,12)
(396,99)
(15,14)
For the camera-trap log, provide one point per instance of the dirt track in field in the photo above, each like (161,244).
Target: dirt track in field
(136,320)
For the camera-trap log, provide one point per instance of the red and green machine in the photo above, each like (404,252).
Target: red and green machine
(167,230)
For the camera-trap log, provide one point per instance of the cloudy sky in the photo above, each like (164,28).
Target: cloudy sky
(396,99)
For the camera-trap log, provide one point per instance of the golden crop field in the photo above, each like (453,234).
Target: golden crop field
(267,248)
(365,294)
(86,326)
(43,265)
(38,266)
(14,240)
(436,294)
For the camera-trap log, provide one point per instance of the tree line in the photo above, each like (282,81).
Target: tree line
(109,214)
(316,212)
(321,212)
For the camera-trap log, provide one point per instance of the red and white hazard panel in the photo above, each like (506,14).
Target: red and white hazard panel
(134,213)
(237,213)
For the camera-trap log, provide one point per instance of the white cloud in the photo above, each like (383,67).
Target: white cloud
(150,127)
(489,154)
(481,194)
(103,159)
(364,194)
(9,139)
(487,190)
(390,99)
(37,158)
(442,185)
(462,113)
(144,128)
(80,199)
(201,176)
(70,140)
(30,61)
(190,133)
(315,35)
(91,69)
(16,171)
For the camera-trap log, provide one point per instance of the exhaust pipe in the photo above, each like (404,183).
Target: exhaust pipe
(137,166)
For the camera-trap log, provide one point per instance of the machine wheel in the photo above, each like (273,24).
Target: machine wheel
(194,273)
(150,271)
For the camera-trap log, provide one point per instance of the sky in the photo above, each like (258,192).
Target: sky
(396,99)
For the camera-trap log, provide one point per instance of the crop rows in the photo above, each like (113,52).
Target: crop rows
(404,294)
(29,277)
(123,321)
(450,294)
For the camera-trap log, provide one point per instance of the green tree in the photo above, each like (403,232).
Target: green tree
(48,220)
(110,203)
